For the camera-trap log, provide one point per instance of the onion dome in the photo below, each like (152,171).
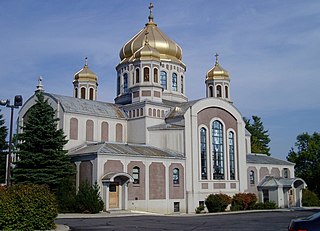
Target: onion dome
(217,72)
(147,52)
(85,74)
(167,48)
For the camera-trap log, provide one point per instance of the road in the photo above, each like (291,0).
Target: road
(257,221)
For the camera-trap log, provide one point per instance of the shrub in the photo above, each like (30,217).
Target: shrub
(88,199)
(217,202)
(66,196)
(27,207)
(199,209)
(265,205)
(309,198)
(243,201)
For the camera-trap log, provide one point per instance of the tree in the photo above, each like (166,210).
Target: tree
(42,159)
(307,159)
(3,148)
(259,136)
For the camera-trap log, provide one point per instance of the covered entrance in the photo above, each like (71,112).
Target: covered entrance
(115,190)
(285,192)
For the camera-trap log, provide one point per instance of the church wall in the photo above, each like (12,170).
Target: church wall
(137,131)
(172,140)
(137,191)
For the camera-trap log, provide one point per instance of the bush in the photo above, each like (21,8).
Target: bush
(243,201)
(199,209)
(266,205)
(309,198)
(217,202)
(88,199)
(66,196)
(27,207)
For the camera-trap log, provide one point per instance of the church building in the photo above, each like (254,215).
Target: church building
(154,150)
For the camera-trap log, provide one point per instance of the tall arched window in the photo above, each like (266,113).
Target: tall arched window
(174,82)
(232,156)
(155,75)
(146,74)
(217,150)
(182,84)
(136,175)
(118,85)
(219,92)
(251,177)
(104,131)
(83,93)
(175,176)
(227,91)
(89,130)
(203,147)
(76,92)
(137,75)
(210,91)
(91,93)
(163,79)
(73,129)
(119,132)
(125,83)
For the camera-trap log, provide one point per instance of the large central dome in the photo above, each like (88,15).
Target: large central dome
(168,49)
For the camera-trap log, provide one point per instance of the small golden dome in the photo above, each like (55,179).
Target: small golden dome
(167,48)
(217,72)
(85,74)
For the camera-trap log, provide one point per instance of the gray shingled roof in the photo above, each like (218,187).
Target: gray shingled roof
(88,107)
(271,181)
(123,149)
(264,159)
(181,108)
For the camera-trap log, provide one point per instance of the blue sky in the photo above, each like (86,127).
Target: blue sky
(270,48)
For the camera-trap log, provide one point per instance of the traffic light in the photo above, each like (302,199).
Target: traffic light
(18,100)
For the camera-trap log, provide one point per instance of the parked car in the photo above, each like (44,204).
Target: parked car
(311,223)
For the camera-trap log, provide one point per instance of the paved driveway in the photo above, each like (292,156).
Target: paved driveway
(257,221)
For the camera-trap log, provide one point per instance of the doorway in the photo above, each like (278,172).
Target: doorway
(114,195)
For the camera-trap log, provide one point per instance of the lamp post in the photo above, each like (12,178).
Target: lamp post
(17,103)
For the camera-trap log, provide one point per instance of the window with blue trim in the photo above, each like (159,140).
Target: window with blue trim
(217,151)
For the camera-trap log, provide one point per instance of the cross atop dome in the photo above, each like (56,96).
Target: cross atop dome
(150,15)
(217,60)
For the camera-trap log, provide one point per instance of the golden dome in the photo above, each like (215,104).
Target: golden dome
(167,48)
(147,53)
(85,74)
(217,72)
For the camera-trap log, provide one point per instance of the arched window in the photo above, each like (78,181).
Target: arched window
(217,150)
(138,112)
(154,112)
(118,85)
(146,74)
(137,76)
(286,173)
(136,175)
(163,79)
(76,92)
(89,130)
(91,93)
(210,91)
(203,147)
(119,133)
(155,75)
(141,111)
(227,91)
(232,156)
(175,176)
(83,93)
(182,84)
(73,129)
(150,112)
(125,83)
(104,131)
(158,113)
(251,177)
(174,82)
(219,92)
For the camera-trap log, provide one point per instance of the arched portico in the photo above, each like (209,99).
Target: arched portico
(115,190)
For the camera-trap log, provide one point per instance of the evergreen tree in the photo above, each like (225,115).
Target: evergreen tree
(259,136)
(42,159)
(306,156)
(3,149)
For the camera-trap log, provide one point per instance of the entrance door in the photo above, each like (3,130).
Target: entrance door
(114,195)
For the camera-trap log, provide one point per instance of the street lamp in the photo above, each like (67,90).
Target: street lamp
(17,103)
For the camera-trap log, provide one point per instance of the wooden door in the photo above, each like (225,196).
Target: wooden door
(114,195)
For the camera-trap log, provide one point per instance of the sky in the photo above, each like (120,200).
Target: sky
(270,48)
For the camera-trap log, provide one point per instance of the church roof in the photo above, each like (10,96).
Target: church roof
(106,148)
(88,107)
(180,108)
(254,158)
(271,181)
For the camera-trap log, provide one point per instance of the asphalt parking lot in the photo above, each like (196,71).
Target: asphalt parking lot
(262,221)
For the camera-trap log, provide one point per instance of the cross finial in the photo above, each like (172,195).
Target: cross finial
(86,61)
(39,86)
(217,61)
(150,15)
